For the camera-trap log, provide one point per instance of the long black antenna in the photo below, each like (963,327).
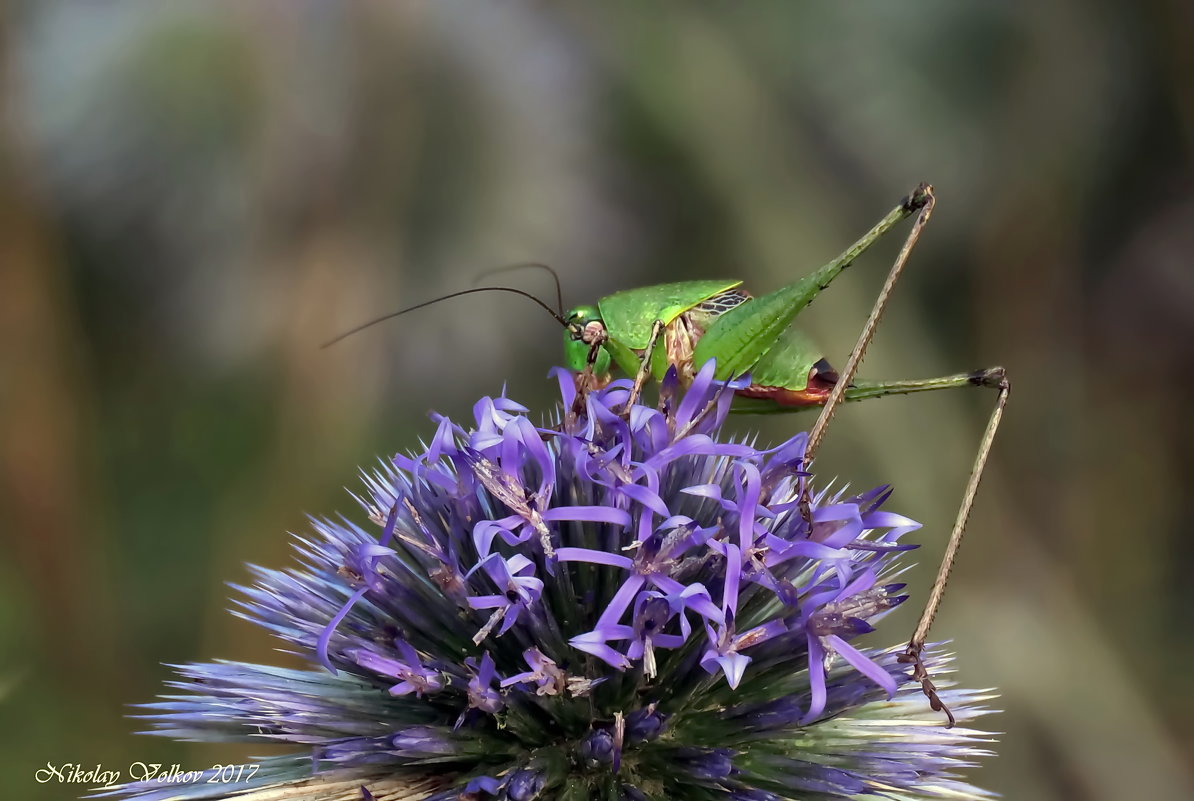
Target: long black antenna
(524,265)
(559,318)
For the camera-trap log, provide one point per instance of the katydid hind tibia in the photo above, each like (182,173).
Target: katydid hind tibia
(645,332)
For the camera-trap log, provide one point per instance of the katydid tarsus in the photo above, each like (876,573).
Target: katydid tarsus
(645,331)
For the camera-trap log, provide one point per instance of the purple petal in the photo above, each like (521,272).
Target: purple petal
(860,662)
(487,601)
(443,442)
(391,522)
(646,497)
(381,665)
(589,514)
(733,665)
(486,671)
(325,637)
(816,679)
(698,394)
(484,783)
(594,557)
(836,536)
(621,600)
(592,643)
(729,595)
(567,381)
(698,445)
(747,507)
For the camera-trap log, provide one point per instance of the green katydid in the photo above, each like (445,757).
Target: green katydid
(703,320)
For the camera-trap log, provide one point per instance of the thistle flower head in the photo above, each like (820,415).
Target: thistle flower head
(617,606)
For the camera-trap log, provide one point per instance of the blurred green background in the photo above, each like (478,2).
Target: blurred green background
(194,195)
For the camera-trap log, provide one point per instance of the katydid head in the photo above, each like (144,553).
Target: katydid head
(585,331)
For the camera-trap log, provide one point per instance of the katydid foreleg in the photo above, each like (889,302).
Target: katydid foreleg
(644,368)
(594,337)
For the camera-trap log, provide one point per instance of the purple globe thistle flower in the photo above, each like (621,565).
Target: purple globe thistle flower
(617,606)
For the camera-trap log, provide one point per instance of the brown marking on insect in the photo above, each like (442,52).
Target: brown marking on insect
(587,382)
(995,377)
(346,572)
(680,339)
(681,336)
(782,396)
(819,384)
(594,333)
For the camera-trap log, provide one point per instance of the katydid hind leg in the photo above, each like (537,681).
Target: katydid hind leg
(745,333)
(916,645)
(915,202)
(862,390)
(800,396)
(846,375)
(925,201)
